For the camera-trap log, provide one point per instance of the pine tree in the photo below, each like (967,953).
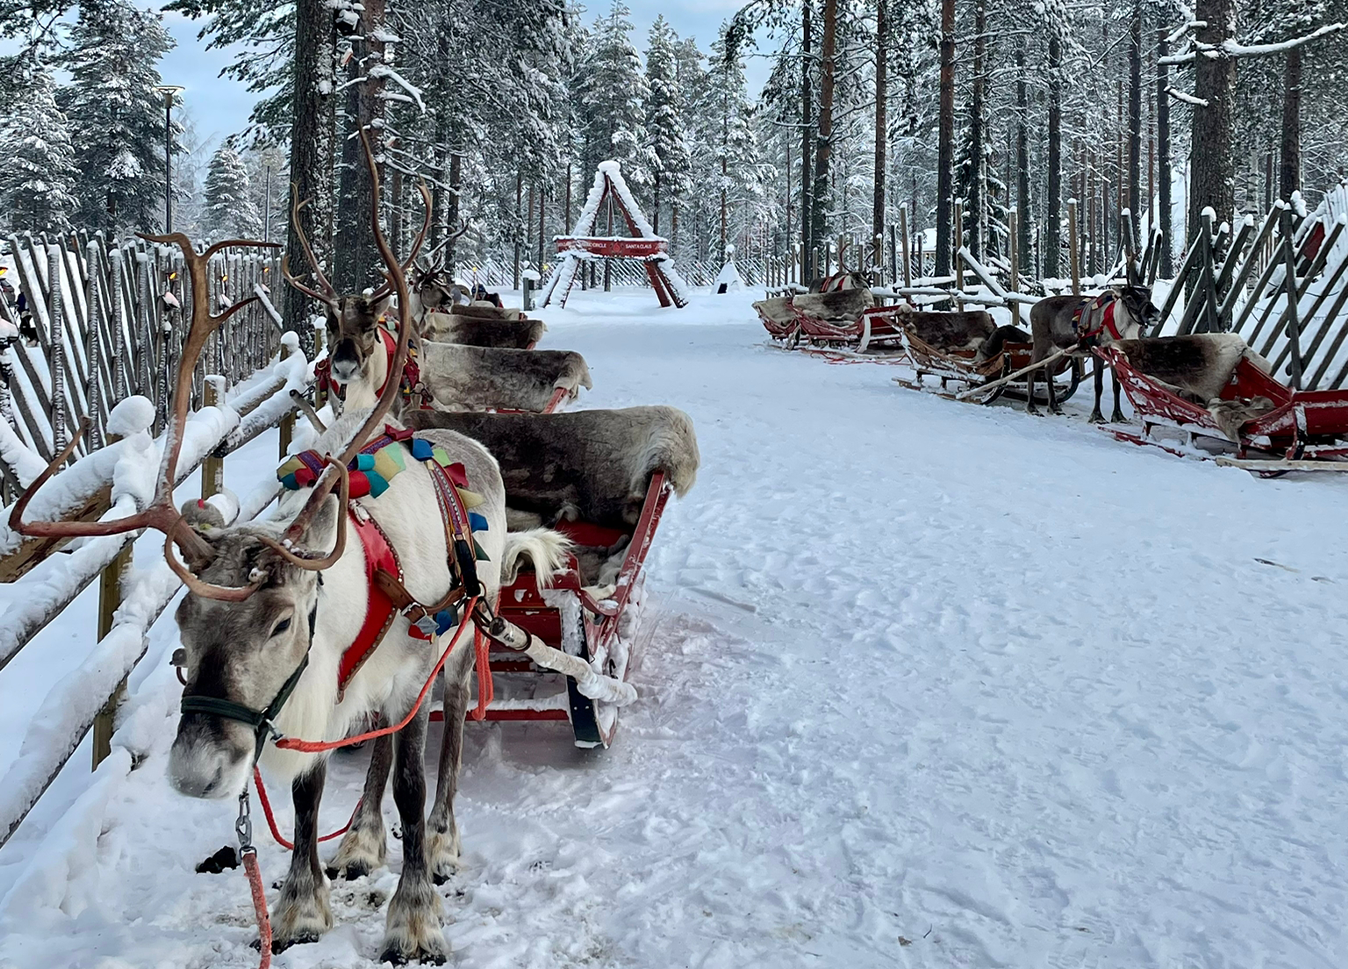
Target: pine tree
(230,210)
(610,93)
(38,173)
(116,116)
(668,149)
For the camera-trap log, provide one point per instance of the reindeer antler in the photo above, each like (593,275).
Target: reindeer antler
(387,288)
(457,233)
(160,513)
(397,282)
(325,294)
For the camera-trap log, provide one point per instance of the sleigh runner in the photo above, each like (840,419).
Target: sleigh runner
(603,479)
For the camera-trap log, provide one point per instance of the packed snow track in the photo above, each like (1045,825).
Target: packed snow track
(922,684)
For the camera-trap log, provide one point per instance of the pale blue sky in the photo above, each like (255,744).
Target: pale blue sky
(220,106)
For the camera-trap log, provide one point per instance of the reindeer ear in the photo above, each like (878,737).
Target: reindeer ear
(380,308)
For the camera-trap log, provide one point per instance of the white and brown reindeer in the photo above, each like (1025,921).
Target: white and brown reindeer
(268,623)
(445,375)
(1063,322)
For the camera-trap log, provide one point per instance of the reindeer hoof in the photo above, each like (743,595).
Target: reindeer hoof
(1117,417)
(356,869)
(280,945)
(427,955)
(1096,417)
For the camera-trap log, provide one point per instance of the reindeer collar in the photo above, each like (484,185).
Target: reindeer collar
(1100,308)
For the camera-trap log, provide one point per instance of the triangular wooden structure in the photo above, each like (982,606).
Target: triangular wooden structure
(583,244)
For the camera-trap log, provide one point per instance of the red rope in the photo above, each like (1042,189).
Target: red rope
(486,691)
(271,818)
(318,746)
(259,906)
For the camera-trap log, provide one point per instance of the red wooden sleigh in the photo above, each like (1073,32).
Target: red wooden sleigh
(1307,430)
(591,608)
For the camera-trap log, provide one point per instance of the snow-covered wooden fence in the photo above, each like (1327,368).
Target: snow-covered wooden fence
(91,323)
(118,478)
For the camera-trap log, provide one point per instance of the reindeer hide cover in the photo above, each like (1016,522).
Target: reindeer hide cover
(949,331)
(475,378)
(590,465)
(777,309)
(1199,365)
(845,305)
(474,332)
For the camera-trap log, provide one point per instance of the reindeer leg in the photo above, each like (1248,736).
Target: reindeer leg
(364,846)
(1096,417)
(1117,417)
(302,913)
(1053,406)
(1030,406)
(412,929)
(443,845)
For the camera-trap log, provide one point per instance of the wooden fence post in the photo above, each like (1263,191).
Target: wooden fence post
(287,424)
(321,337)
(1011,219)
(213,468)
(109,598)
(903,237)
(958,243)
(1293,325)
(1073,256)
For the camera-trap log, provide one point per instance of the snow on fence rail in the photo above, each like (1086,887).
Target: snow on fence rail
(91,323)
(125,470)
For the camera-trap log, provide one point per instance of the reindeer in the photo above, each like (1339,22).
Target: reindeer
(452,375)
(354,321)
(1062,322)
(269,615)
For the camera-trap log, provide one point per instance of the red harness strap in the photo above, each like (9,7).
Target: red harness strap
(379,611)
(1106,302)
(380,557)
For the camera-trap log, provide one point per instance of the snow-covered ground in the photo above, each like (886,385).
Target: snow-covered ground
(923,684)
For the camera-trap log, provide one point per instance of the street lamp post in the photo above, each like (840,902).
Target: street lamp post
(169,91)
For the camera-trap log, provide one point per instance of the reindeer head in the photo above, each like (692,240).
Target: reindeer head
(353,321)
(1136,298)
(353,334)
(242,652)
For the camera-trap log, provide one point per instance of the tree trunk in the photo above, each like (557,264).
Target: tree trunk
(1135,116)
(1053,198)
(824,141)
(1289,169)
(975,212)
(311,135)
(945,149)
(1024,227)
(356,257)
(881,125)
(806,133)
(452,209)
(1163,202)
(1212,182)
